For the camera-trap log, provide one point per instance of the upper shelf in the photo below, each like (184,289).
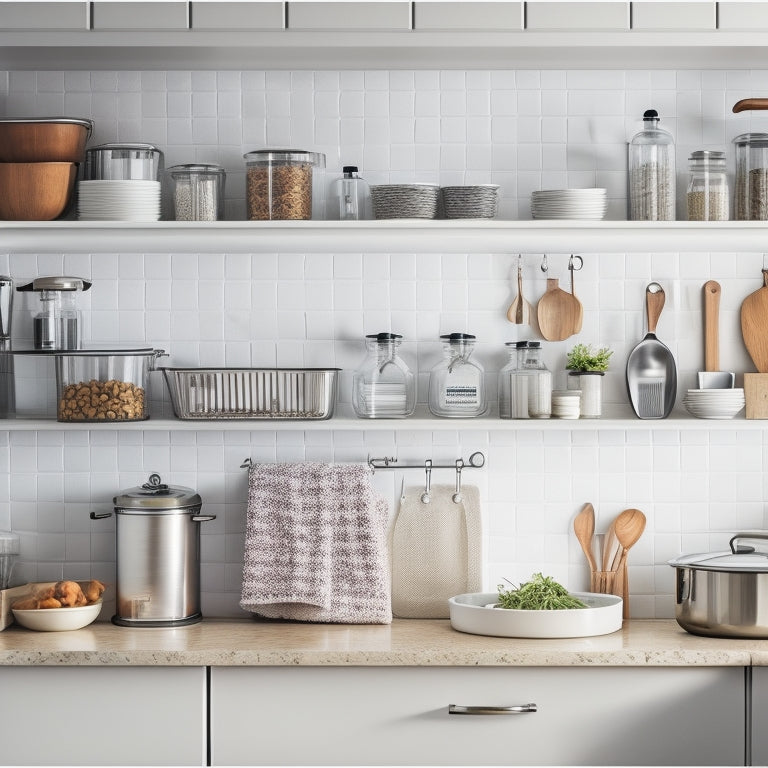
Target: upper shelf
(390,236)
(345,49)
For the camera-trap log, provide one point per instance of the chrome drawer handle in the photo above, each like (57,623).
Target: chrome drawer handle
(519,709)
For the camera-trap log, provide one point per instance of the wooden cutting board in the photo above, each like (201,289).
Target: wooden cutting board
(754,325)
(559,313)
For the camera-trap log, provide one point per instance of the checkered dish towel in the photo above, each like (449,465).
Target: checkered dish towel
(316,545)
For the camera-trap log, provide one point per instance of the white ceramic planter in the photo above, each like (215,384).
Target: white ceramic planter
(591,385)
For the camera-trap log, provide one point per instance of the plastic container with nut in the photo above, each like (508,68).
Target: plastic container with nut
(198,192)
(104,386)
(284,184)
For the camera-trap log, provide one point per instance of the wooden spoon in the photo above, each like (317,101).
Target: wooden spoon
(558,312)
(628,526)
(584,526)
(520,310)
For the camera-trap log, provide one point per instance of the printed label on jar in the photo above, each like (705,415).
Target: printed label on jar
(462,394)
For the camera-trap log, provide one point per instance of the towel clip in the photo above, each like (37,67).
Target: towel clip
(457,497)
(425,497)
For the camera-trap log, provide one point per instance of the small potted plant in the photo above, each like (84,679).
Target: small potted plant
(586,367)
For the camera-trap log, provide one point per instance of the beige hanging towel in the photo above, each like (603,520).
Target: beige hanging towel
(436,551)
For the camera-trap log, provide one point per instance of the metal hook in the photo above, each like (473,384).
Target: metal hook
(544,265)
(425,497)
(571,263)
(457,496)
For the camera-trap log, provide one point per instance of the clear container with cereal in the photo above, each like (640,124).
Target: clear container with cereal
(198,191)
(104,385)
(284,184)
(751,185)
(707,196)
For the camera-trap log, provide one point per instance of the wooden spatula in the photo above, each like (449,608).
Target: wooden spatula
(520,310)
(754,325)
(558,312)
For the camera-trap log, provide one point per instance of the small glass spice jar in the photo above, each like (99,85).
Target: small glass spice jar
(457,383)
(198,191)
(707,187)
(383,387)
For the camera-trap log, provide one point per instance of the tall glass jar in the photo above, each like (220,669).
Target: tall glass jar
(513,390)
(457,383)
(198,191)
(707,196)
(652,172)
(539,382)
(383,387)
(751,190)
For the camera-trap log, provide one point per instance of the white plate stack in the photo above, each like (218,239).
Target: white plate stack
(714,403)
(118,200)
(569,204)
(566,403)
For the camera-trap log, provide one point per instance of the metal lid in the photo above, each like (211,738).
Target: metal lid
(196,168)
(743,558)
(451,337)
(56,283)
(127,147)
(285,156)
(155,495)
(707,154)
(752,139)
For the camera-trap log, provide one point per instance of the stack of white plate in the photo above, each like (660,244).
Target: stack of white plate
(566,403)
(714,403)
(385,399)
(118,200)
(569,204)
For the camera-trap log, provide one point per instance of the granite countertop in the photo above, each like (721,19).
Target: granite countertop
(406,642)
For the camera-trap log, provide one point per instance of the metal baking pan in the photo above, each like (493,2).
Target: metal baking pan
(209,394)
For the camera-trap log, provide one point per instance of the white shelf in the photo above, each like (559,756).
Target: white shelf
(615,417)
(348,49)
(384,236)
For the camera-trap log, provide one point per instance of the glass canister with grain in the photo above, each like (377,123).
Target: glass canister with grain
(284,184)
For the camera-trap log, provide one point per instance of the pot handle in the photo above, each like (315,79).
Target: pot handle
(100,515)
(762,535)
(202,518)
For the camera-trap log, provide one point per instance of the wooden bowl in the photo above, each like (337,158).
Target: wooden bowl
(44,140)
(35,191)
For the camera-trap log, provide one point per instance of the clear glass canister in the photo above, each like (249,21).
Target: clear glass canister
(353,195)
(123,162)
(383,387)
(707,196)
(512,403)
(751,190)
(652,172)
(457,383)
(282,184)
(539,382)
(198,191)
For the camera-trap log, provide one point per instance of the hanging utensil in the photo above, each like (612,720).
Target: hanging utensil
(651,369)
(573,268)
(557,312)
(584,527)
(520,310)
(628,527)
(754,325)
(712,377)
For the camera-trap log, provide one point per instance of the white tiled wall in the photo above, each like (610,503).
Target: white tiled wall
(524,130)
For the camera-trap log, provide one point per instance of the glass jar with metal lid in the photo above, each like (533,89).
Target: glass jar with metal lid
(123,162)
(457,383)
(707,196)
(198,191)
(383,387)
(282,184)
(751,190)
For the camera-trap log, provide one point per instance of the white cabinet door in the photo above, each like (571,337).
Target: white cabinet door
(44,15)
(317,14)
(475,14)
(688,15)
(139,14)
(224,14)
(734,14)
(399,716)
(102,716)
(567,16)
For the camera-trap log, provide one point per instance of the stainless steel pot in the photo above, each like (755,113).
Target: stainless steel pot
(158,555)
(724,594)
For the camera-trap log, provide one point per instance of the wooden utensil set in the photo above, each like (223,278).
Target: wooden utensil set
(609,574)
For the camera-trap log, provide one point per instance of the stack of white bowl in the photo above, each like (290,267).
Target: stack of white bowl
(569,204)
(118,200)
(714,403)
(566,403)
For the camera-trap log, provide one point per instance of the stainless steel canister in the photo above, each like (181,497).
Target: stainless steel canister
(158,555)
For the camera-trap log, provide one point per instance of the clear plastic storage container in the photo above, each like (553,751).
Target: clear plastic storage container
(751,189)
(652,172)
(282,184)
(457,383)
(353,195)
(198,192)
(707,196)
(383,387)
(123,162)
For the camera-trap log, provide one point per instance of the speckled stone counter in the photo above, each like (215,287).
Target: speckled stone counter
(403,643)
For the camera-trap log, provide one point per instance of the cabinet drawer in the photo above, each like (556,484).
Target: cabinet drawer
(577,15)
(140,14)
(678,15)
(468,15)
(399,716)
(36,15)
(102,716)
(743,15)
(221,14)
(355,15)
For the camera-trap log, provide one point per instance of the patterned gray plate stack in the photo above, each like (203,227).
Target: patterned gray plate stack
(480,201)
(405,201)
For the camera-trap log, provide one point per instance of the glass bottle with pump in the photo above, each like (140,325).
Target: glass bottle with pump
(456,383)
(652,172)
(383,387)
(352,193)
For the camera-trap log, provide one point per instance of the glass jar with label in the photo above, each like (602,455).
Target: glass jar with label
(707,187)
(513,388)
(539,382)
(457,383)
(751,187)
(652,172)
(383,387)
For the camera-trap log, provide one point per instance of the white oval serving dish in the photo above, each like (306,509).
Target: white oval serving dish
(473,613)
(57,619)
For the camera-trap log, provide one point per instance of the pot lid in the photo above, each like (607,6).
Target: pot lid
(154,495)
(742,557)
(62,283)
